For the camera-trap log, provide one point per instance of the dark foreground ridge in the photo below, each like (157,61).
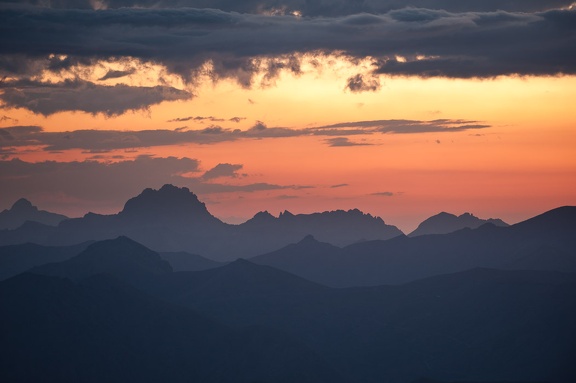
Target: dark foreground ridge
(117,311)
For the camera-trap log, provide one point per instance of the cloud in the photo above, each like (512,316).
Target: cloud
(223,170)
(286,196)
(338,186)
(358,84)
(88,182)
(77,95)
(8,118)
(197,118)
(384,194)
(459,39)
(343,141)
(405,126)
(18,136)
(116,74)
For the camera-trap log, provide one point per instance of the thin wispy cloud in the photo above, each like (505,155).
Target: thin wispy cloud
(115,139)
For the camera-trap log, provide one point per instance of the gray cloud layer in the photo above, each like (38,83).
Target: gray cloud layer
(432,42)
(223,170)
(90,181)
(105,140)
(77,95)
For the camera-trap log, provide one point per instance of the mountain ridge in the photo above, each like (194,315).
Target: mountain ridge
(444,223)
(22,211)
(173,219)
(544,242)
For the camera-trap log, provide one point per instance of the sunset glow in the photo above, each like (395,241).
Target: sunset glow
(309,126)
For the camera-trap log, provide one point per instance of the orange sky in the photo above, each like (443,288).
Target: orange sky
(523,164)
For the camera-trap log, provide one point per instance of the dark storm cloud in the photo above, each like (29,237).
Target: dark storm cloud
(223,170)
(98,140)
(77,95)
(409,41)
(90,180)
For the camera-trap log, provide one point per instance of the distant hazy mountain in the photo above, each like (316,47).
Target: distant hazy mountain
(183,261)
(545,242)
(122,258)
(15,259)
(445,223)
(308,258)
(172,219)
(23,211)
(337,227)
(271,326)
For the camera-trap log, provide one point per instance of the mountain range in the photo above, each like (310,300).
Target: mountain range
(444,223)
(16,259)
(117,311)
(22,211)
(172,219)
(545,242)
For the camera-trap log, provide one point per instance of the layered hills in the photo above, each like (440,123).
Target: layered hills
(117,311)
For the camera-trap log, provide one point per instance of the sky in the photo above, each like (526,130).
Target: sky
(402,109)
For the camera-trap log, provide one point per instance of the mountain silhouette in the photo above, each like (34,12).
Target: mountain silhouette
(172,219)
(122,306)
(308,258)
(122,258)
(104,330)
(15,259)
(183,261)
(444,223)
(22,211)
(481,324)
(545,242)
(169,204)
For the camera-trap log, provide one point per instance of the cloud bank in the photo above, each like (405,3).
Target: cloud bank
(463,43)
(106,140)
(88,182)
